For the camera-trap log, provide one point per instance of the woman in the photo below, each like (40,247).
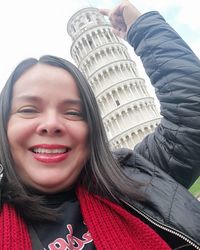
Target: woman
(62,188)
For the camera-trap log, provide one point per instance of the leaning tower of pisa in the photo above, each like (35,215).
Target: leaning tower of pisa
(127,109)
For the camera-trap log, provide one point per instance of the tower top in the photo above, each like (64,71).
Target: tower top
(84,19)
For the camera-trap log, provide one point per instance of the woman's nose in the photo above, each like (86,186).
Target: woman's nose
(51,124)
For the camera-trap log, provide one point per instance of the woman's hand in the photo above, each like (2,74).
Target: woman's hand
(122,17)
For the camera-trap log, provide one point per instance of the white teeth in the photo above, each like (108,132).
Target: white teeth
(49,151)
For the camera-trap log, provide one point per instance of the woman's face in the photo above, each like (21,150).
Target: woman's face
(46,131)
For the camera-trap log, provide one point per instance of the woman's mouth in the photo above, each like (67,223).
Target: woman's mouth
(50,153)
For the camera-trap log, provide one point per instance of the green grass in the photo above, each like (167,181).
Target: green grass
(195,188)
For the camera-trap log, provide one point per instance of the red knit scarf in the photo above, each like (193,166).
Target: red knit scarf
(110,225)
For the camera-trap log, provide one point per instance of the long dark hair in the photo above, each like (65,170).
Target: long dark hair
(102,173)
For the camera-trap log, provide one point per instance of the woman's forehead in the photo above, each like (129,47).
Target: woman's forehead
(45,79)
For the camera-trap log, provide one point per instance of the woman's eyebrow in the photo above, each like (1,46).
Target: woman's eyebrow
(27,98)
(32,98)
(76,102)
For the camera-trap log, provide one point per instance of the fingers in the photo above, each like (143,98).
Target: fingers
(119,33)
(105,12)
(116,19)
(118,23)
(121,17)
(115,16)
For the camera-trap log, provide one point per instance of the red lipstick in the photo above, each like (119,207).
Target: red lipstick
(50,153)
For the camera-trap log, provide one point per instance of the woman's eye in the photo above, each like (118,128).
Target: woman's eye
(27,110)
(74,115)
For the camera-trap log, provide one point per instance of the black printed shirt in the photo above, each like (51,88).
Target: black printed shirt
(69,231)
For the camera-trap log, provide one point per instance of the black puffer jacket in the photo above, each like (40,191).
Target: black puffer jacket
(169,159)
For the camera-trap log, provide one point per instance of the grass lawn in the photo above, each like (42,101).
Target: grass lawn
(195,188)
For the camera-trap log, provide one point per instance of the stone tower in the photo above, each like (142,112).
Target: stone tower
(127,109)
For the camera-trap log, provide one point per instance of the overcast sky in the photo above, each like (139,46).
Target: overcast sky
(31,28)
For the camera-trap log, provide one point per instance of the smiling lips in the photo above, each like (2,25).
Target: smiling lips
(50,153)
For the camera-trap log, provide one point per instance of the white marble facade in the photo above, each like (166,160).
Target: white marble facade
(128,111)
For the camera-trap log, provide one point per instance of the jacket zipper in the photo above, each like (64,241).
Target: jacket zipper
(161,226)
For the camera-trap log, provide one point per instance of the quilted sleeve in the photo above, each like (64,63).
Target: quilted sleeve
(174,71)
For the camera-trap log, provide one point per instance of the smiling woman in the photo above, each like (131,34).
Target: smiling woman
(53,141)
(46,130)
(62,186)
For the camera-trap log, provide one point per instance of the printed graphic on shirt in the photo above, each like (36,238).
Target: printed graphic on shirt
(71,242)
